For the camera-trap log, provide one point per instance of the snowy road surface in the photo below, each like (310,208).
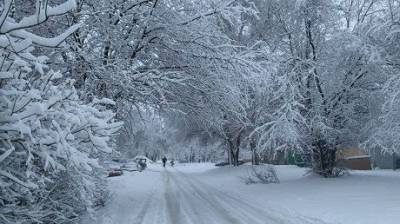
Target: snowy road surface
(172,196)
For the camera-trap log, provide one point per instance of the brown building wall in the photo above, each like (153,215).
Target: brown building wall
(358,163)
(353,158)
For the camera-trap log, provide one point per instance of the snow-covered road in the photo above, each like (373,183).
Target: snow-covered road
(173,196)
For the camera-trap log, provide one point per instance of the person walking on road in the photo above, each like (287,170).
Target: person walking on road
(164,161)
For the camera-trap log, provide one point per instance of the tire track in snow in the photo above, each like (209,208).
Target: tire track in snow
(153,209)
(192,212)
(144,209)
(194,205)
(221,214)
(173,207)
(244,209)
(226,210)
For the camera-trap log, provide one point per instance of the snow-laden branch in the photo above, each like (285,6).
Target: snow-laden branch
(16,180)
(43,41)
(5,12)
(39,109)
(6,154)
(43,13)
(210,13)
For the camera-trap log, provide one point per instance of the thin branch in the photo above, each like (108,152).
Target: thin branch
(6,11)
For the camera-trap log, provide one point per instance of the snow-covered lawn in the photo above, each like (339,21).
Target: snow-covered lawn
(363,197)
(203,193)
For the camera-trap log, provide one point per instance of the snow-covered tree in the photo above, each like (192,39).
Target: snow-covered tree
(384,32)
(325,78)
(49,139)
(144,133)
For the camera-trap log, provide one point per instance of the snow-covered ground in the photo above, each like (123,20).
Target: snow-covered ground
(363,197)
(203,193)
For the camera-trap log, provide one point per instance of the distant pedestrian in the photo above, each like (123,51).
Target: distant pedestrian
(172,162)
(164,161)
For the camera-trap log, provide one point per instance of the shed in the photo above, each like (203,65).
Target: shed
(353,158)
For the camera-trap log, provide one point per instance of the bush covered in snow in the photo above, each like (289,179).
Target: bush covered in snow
(264,174)
(49,140)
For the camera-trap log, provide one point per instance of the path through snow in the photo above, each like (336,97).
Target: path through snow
(173,196)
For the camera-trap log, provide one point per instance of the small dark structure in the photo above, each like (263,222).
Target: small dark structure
(141,164)
(115,173)
(353,158)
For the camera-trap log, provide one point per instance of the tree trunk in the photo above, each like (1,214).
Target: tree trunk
(106,53)
(230,152)
(233,153)
(236,150)
(236,157)
(324,158)
(255,160)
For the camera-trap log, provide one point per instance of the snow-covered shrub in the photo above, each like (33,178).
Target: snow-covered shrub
(264,174)
(49,139)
